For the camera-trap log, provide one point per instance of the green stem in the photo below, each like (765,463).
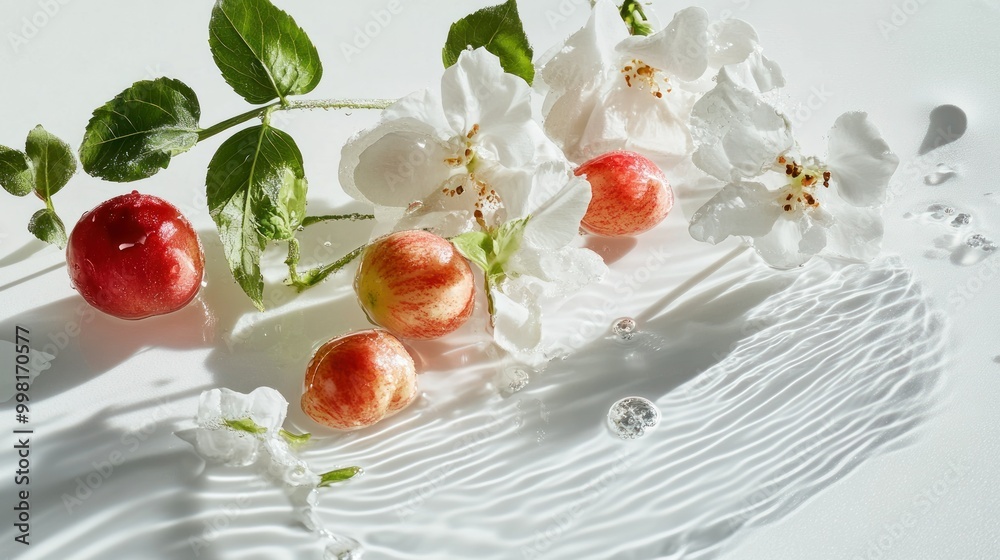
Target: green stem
(285,105)
(337,104)
(315,276)
(635,18)
(339,475)
(310,220)
(211,131)
(293,261)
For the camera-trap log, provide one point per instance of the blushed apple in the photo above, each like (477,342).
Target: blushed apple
(630,194)
(416,285)
(135,256)
(358,379)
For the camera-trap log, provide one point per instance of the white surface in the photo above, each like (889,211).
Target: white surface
(124,388)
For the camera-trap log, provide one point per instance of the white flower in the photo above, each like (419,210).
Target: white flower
(438,148)
(530,254)
(234,428)
(611,91)
(798,206)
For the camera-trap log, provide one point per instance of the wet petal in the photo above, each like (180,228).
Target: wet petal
(589,54)
(857,233)
(517,317)
(557,203)
(732,41)
(394,163)
(795,238)
(738,135)
(681,50)
(740,209)
(229,447)
(860,160)
(476,90)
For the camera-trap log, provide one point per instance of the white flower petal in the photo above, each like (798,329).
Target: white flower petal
(424,106)
(795,238)
(742,209)
(517,317)
(476,90)
(564,271)
(567,116)
(758,73)
(286,467)
(860,160)
(738,135)
(633,119)
(394,163)
(857,233)
(556,216)
(589,54)
(229,447)
(732,41)
(680,50)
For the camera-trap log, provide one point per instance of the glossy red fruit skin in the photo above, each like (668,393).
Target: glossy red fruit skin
(631,194)
(416,285)
(135,256)
(358,379)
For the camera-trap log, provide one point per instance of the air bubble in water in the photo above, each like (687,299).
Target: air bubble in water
(961,220)
(512,380)
(632,417)
(977,240)
(327,244)
(940,175)
(624,329)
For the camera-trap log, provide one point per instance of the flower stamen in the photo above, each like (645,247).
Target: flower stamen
(800,192)
(641,75)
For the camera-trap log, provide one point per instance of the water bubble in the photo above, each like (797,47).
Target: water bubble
(327,244)
(631,417)
(961,220)
(977,240)
(624,329)
(414,206)
(512,380)
(949,210)
(940,175)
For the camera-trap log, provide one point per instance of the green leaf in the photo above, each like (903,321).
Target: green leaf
(46,226)
(16,176)
(52,159)
(339,475)
(499,29)
(262,53)
(475,246)
(256,194)
(134,135)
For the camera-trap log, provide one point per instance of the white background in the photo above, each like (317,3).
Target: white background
(896,59)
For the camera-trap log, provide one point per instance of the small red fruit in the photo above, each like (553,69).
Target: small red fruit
(630,194)
(356,380)
(416,285)
(135,256)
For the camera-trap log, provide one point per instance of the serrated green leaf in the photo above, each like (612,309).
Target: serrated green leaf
(134,135)
(16,176)
(500,30)
(46,226)
(52,160)
(256,193)
(262,53)
(475,246)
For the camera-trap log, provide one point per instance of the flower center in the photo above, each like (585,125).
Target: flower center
(640,75)
(465,149)
(803,181)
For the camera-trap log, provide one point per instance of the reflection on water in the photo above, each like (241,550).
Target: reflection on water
(771,387)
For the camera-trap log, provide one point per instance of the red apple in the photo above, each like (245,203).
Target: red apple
(416,285)
(135,256)
(630,194)
(356,380)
